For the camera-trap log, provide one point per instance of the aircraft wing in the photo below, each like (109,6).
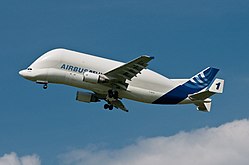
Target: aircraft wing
(127,71)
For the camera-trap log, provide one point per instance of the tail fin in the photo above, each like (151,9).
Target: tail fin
(201,80)
(201,99)
(194,85)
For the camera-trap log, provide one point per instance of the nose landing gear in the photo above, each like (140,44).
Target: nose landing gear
(44,83)
(45,86)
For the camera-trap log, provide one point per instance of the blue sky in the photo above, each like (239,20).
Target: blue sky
(184,36)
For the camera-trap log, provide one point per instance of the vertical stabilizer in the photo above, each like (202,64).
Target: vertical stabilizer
(201,80)
(194,85)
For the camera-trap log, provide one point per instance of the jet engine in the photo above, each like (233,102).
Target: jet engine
(94,78)
(86,97)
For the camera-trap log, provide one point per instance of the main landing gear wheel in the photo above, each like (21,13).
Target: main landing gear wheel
(45,86)
(107,106)
(110,107)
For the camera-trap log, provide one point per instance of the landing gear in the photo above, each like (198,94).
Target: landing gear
(44,83)
(113,94)
(45,86)
(108,106)
(110,93)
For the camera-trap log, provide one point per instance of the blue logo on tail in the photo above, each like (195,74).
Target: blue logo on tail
(195,84)
(202,80)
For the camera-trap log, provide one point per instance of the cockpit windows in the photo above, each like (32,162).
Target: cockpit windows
(29,68)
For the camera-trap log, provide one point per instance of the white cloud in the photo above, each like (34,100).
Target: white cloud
(13,159)
(227,144)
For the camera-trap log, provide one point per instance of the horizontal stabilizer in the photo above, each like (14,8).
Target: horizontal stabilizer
(205,106)
(202,100)
(201,95)
(216,87)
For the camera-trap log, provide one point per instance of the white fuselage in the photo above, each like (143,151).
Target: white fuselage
(63,66)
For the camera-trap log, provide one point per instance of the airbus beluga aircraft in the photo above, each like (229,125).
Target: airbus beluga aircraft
(111,80)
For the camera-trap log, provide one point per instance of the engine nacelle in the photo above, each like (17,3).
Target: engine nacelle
(94,78)
(86,97)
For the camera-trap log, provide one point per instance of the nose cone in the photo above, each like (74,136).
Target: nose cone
(25,74)
(22,73)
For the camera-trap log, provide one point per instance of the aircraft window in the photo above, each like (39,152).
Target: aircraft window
(29,68)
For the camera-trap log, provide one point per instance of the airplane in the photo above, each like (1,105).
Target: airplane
(112,81)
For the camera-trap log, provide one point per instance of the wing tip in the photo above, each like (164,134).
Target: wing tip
(147,56)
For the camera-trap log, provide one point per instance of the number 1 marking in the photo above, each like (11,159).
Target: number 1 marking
(218,86)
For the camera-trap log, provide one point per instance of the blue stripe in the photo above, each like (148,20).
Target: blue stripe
(181,92)
(202,79)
